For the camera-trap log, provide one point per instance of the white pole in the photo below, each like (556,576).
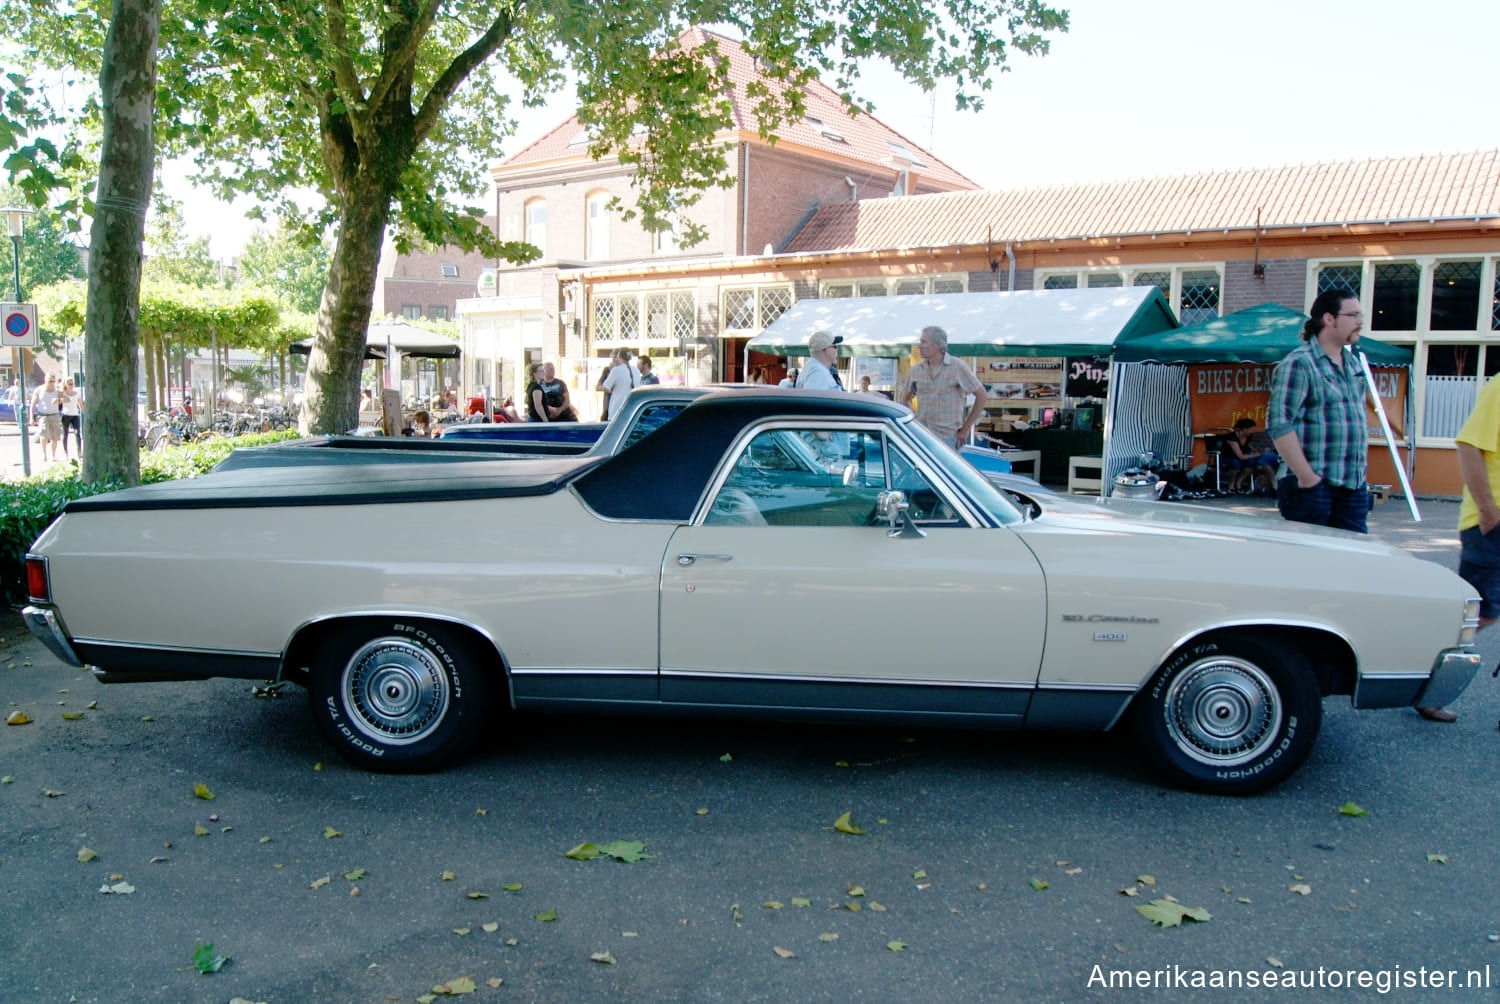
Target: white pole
(1390,439)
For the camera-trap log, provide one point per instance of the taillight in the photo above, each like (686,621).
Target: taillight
(37,586)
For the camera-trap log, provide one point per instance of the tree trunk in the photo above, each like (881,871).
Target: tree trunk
(330,402)
(127,86)
(148,359)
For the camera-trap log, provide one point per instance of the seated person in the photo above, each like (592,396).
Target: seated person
(1247,451)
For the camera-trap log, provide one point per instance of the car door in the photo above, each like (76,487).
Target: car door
(786,593)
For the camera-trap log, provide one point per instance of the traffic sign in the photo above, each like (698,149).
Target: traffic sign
(18,325)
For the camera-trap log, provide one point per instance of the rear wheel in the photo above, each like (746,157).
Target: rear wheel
(399,696)
(1232,715)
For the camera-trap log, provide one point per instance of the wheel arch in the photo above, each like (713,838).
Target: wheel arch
(310,633)
(1330,653)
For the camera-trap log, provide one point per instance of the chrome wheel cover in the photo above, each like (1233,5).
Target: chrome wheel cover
(395,691)
(1223,711)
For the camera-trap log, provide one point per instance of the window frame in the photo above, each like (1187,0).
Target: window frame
(758,322)
(530,228)
(890,283)
(1128,274)
(596,225)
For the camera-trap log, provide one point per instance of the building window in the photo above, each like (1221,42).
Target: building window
(1195,292)
(665,241)
(1455,296)
(411,311)
(661,317)
(1344,277)
(906,285)
(536,225)
(437,313)
(449,271)
(596,227)
(1393,306)
(752,308)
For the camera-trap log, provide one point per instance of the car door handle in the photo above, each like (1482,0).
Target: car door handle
(688,559)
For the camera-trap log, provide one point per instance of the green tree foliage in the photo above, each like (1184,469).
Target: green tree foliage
(289,261)
(171,255)
(390,109)
(48,252)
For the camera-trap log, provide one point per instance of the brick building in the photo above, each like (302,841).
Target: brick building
(429,283)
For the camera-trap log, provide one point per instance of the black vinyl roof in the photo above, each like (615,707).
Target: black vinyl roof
(663,475)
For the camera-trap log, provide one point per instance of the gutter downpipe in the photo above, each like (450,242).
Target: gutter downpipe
(745,235)
(1010,276)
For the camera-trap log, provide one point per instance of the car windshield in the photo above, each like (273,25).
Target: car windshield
(974,484)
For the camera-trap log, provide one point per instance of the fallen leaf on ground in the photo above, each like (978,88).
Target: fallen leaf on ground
(447,876)
(462,932)
(72,716)
(490,927)
(493,982)
(876,907)
(896,946)
(785,953)
(725,758)
(1130,891)
(827,938)
(773,905)
(199,830)
(85,855)
(478,895)
(801,901)
(843,825)
(355,875)
(1170,913)
(547,916)
(512,887)
(606,958)
(329,833)
(1350,809)
(17,718)
(1146,879)
(320,883)
(1073,871)
(53,793)
(859,890)
(92,705)
(462,985)
(1273,960)
(205,961)
(201,790)
(119,888)
(1300,888)
(1040,884)
(1437,859)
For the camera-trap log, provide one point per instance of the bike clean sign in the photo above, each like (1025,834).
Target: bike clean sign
(17,325)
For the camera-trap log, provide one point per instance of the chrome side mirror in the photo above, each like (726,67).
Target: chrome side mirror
(892,509)
(851,471)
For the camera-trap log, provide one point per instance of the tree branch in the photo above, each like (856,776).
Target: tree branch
(394,66)
(343,67)
(436,101)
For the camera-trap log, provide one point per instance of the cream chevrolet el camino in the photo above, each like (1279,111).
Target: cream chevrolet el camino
(738,560)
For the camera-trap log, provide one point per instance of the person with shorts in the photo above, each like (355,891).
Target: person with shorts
(1478,445)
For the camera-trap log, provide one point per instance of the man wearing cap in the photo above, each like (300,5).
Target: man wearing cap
(939,382)
(818,373)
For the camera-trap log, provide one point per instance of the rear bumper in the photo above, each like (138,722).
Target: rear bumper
(44,623)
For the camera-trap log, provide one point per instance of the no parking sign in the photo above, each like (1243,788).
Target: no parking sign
(17,325)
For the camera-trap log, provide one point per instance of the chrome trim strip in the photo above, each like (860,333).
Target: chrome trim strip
(578,671)
(420,614)
(184,649)
(688,674)
(1122,688)
(1257,623)
(47,627)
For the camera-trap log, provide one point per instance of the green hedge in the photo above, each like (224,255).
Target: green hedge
(29,505)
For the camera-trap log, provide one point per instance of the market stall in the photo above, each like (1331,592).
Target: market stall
(1042,354)
(1171,389)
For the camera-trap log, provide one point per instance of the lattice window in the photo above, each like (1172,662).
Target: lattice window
(872,288)
(1105,280)
(658,321)
(630,318)
(604,319)
(1060,282)
(774,301)
(1455,296)
(1345,277)
(739,309)
(1161,280)
(908,287)
(1394,308)
(684,316)
(1200,297)
(837,290)
(950,285)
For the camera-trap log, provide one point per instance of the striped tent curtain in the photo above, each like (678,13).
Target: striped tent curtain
(1148,411)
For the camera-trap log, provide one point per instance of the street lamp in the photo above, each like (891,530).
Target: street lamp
(13,220)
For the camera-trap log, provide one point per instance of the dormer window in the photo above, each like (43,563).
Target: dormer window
(449,271)
(901,151)
(828,131)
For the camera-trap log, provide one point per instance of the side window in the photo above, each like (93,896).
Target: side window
(820,477)
(648,420)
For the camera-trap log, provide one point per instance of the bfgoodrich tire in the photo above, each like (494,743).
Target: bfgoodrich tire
(399,696)
(1229,715)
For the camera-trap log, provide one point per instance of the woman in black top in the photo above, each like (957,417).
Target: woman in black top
(536,401)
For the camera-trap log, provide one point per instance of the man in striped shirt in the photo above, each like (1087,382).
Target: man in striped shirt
(1316,418)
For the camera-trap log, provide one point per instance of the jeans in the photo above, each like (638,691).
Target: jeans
(1324,504)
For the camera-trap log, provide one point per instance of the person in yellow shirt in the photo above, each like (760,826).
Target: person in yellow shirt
(1478,445)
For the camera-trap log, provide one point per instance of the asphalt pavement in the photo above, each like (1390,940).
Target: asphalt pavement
(990,867)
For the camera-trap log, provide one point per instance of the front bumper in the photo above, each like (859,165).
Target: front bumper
(1451,673)
(44,623)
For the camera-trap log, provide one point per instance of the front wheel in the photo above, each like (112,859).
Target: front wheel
(1232,715)
(399,696)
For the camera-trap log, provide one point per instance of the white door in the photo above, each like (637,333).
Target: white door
(788,596)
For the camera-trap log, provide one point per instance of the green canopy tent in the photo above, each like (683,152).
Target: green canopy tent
(1263,334)
(1149,392)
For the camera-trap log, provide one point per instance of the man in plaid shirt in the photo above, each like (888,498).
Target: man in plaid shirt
(939,383)
(1317,419)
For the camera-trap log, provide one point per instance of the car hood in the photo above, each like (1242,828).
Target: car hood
(1172,519)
